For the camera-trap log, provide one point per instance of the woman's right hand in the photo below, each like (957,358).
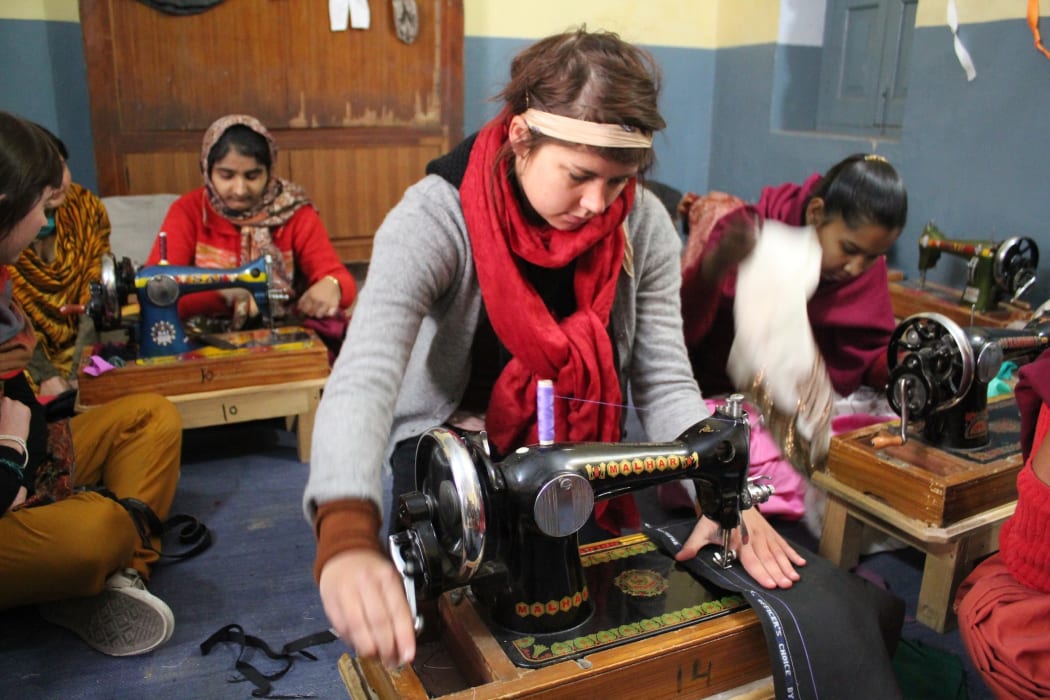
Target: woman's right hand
(242,306)
(739,238)
(364,599)
(734,245)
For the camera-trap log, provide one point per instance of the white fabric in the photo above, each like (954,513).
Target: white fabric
(773,335)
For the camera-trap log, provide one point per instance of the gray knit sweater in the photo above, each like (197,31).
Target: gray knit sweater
(406,361)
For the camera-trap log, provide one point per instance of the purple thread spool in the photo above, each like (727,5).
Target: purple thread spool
(545,411)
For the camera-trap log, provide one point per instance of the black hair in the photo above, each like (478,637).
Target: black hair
(864,189)
(246,141)
(29,163)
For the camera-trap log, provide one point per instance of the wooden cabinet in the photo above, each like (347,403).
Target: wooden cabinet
(356,114)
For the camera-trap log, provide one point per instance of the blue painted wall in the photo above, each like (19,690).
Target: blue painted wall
(44,78)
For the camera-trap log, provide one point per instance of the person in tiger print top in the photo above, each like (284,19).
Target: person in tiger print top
(56,269)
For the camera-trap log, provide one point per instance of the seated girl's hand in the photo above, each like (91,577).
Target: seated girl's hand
(768,557)
(321,300)
(242,306)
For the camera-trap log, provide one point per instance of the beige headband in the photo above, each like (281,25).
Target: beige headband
(585,132)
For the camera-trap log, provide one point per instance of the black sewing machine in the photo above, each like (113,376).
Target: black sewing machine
(509,529)
(995,271)
(940,371)
(158,330)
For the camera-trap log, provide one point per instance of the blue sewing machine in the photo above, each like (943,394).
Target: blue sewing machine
(158,288)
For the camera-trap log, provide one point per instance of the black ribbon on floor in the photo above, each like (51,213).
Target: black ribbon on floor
(263,682)
(189,531)
(832,634)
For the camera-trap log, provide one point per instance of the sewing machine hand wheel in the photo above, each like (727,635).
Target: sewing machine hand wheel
(446,471)
(110,292)
(1016,261)
(934,357)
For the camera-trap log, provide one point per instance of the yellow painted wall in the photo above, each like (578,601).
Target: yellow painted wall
(54,10)
(685,23)
(935,12)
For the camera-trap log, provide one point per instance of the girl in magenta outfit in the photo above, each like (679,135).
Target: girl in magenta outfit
(858,209)
(242,212)
(1004,604)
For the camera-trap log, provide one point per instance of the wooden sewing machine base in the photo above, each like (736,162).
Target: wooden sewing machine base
(280,376)
(908,297)
(691,662)
(655,632)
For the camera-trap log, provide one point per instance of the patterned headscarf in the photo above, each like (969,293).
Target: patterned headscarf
(280,200)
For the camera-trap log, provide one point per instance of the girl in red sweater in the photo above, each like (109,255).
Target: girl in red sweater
(244,211)
(1004,604)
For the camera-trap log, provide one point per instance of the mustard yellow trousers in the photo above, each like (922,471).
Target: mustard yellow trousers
(131,446)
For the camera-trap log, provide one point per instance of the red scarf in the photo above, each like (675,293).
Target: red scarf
(576,352)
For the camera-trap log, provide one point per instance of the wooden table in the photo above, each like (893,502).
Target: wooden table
(951,550)
(216,387)
(908,298)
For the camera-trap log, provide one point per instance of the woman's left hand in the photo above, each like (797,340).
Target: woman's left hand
(322,299)
(767,556)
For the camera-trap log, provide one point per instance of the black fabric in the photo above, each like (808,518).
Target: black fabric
(234,634)
(190,533)
(181,7)
(453,165)
(830,635)
(62,406)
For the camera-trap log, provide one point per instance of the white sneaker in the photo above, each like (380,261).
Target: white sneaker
(124,619)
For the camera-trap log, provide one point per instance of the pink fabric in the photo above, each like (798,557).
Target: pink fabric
(789,486)
(788,500)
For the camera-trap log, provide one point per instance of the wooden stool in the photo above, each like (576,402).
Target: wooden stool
(296,400)
(951,550)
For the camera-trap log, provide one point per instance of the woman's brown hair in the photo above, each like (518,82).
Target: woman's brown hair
(29,163)
(594,76)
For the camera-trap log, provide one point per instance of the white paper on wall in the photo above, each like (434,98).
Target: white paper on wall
(960,50)
(338,14)
(360,14)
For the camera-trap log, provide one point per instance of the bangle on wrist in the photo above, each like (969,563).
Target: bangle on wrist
(21,443)
(335,280)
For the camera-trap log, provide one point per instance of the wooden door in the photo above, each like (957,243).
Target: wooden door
(356,114)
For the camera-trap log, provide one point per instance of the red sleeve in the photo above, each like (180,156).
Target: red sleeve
(183,224)
(852,323)
(700,299)
(314,254)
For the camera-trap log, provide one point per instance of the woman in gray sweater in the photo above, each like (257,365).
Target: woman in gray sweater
(527,253)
